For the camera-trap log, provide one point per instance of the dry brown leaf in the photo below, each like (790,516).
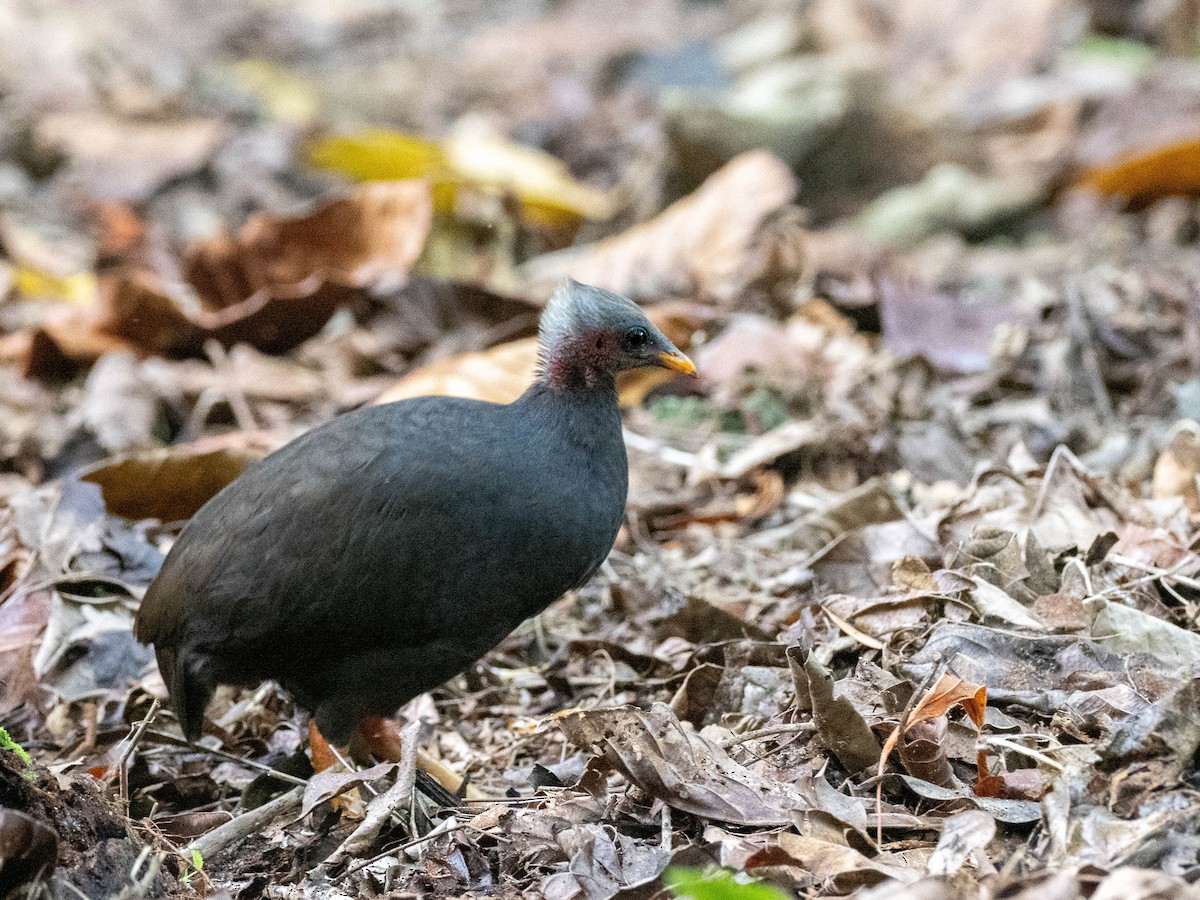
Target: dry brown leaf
(125,159)
(1144,144)
(841,726)
(1177,467)
(950,691)
(678,766)
(502,373)
(834,866)
(171,483)
(281,279)
(702,246)
(326,785)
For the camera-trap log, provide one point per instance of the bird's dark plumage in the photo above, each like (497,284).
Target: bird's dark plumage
(373,558)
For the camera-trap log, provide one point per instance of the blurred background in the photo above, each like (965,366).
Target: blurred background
(929,171)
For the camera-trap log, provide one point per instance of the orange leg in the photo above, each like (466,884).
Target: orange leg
(319,751)
(378,737)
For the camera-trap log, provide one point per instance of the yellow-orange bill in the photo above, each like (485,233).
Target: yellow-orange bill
(677,362)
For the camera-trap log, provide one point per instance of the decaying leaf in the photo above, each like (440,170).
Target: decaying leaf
(1178,465)
(673,763)
(839,724)
(950,691)
(963,834)
(701,246)
(170,484)
(327,784)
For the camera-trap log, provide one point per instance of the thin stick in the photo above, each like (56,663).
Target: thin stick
(768,731)
(210,844)
(173,741)
(133,740)
(437,832)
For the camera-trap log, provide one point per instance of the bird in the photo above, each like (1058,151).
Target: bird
(382,553)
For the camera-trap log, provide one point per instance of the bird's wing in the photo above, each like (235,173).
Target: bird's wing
(366,531)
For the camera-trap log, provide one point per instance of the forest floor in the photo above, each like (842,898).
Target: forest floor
(906,600)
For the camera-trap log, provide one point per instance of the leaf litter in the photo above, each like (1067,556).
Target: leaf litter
(906,600)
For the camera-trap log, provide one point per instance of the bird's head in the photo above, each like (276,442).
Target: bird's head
(588,335)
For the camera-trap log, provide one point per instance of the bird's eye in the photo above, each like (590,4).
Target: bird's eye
(637,337)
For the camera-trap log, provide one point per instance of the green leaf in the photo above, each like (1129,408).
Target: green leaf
(717,884)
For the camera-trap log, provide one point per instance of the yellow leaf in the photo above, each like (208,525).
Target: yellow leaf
(549,195)
(282,94)
(545,188)
(33,283)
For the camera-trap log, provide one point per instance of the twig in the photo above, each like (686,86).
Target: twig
(171,740)
(226,373)
(397,798)
(133,740)
(767,731)
(1155,571)
(210,844)
(448,827)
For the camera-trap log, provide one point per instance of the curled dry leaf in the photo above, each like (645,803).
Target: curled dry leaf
(1177,467)
(950,691)
(836,867)
(272,287)
(171,483)
(962,835)
(841,726)
(502,373)
(705,245)
(28,848)
(676,765)
(922,750)
(329,784)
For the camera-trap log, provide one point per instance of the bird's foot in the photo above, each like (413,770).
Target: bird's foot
(378,737)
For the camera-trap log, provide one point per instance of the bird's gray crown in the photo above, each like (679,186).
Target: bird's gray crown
(577,308)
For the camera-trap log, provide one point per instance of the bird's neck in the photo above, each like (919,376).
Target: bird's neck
(587,414)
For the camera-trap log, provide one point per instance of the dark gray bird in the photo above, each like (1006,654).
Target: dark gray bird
(386,551)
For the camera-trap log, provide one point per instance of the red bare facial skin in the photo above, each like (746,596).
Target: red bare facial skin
(580,362)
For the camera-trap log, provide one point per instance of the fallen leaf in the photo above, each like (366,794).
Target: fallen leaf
(840,725)
(963,834)
(328,784)
(471,161)
(701,246)
(835,867)
(950,691)
(1178,465)
(125,159)
(678,766)
(280,280)
(171,483)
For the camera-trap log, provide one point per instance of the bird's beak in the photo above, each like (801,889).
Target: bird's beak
(677,362)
